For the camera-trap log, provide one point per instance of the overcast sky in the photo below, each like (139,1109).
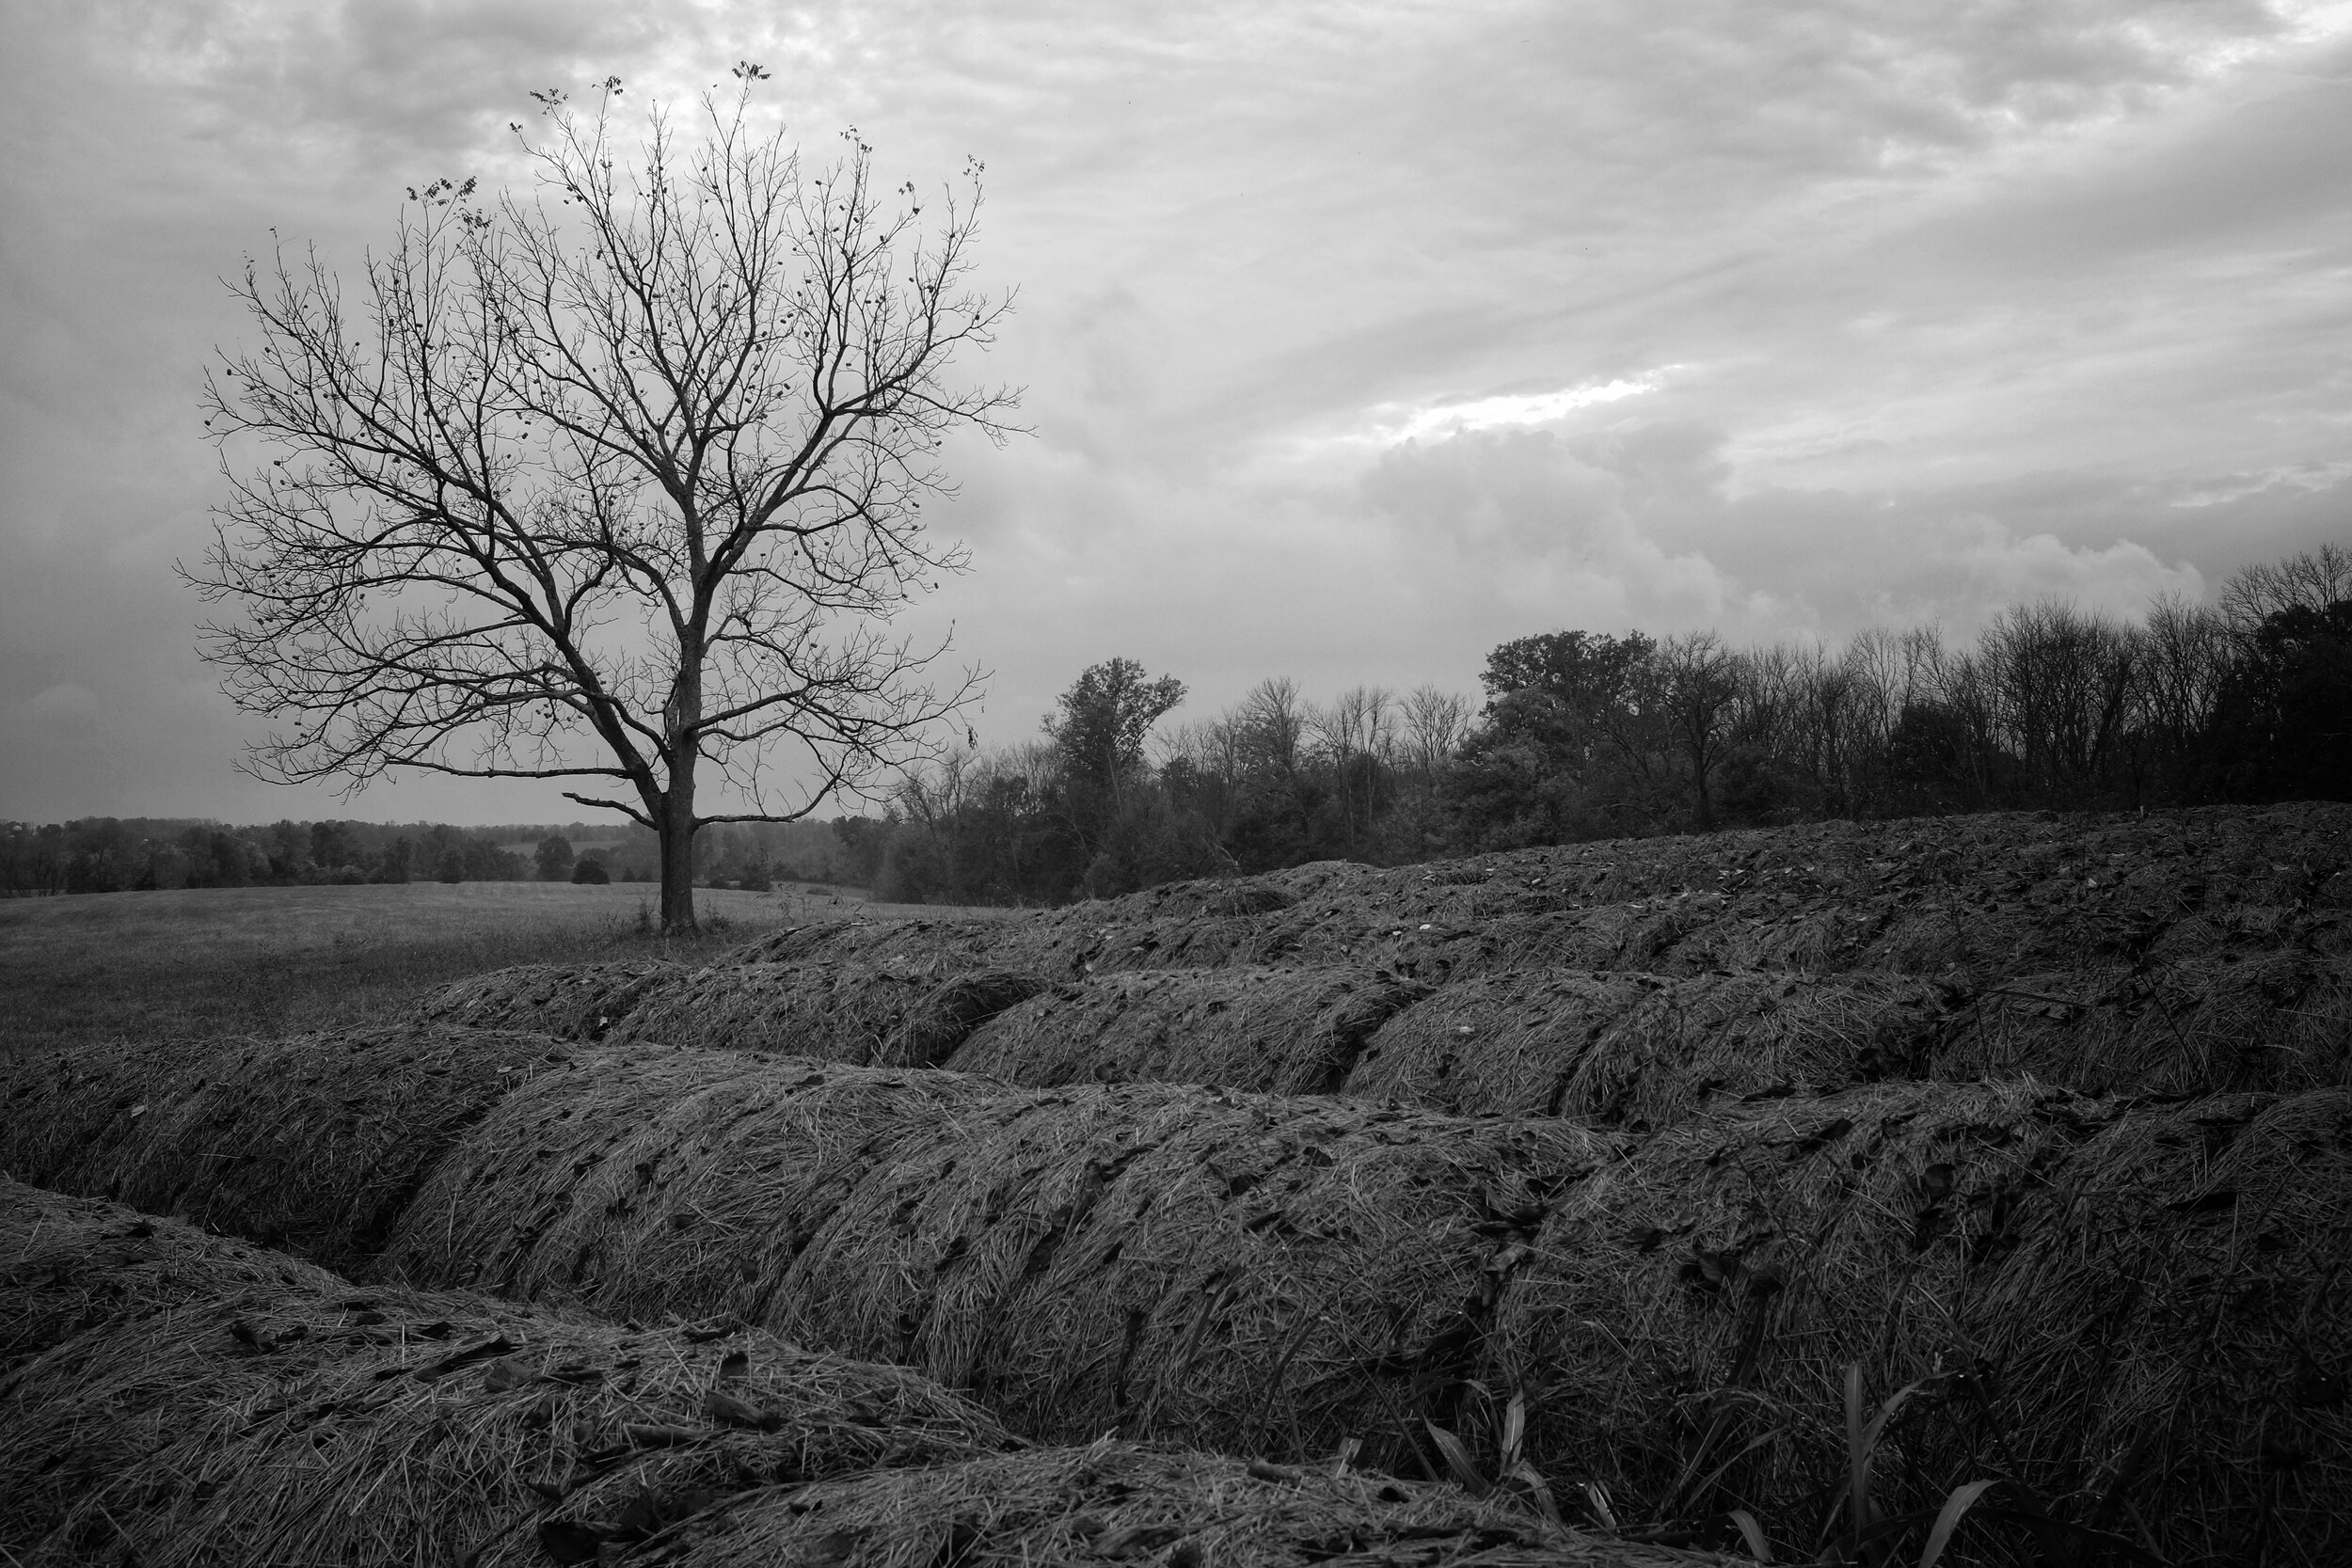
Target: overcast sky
(1357,337)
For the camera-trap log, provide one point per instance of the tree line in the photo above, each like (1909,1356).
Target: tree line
(109,854)
(1584,736)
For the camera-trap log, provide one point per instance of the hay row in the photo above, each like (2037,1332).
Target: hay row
(1116,1502)
(1288,1031)
(314,1142)
(837,1011)
(1645,1051)
(173,1398)
(2216,857)
(1229,1270)
(1263,1275)
(841,1010)
(1996,895)
(573,1001)
(1163,1262)
(2144,1315)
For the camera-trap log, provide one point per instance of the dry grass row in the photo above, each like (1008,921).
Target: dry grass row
(1116,1502)
(573,1001)
(1270,1277)
(1647,1051)
(315,1144)
(2139,1311)
(1994,895)
(2144,1315)
(1245,1272)
(172,1398)
(1287,1031)
(842,1010)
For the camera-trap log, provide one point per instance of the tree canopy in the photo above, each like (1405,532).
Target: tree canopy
(606,478)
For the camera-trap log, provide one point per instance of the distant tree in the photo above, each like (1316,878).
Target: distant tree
(605,481)
(555,858)
(392,865)
(450,866)
(1098,731)
(1104,719)
(1697,680)
(590,871)
(2285,713)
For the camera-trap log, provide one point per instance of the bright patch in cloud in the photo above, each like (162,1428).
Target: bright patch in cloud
(1395,424)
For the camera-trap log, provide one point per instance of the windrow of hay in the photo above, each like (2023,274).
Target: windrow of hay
(2261,1021)
(1281,1030)
(832,1009)
(573,1001)
(217,1405)
(314,1142)
(1254,1274)
(941,947)
(1642,1050)
(2140,1314)
(1114,1502)
(2274,856)
(1990,895)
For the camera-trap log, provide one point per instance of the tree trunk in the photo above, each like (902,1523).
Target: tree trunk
(677,843)
(678,865)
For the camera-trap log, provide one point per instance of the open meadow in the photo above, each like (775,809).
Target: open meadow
(1976,1189)
(196,962)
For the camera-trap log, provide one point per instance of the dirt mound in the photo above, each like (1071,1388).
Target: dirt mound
(314,1144)
(836,1011)
(573,1001)
(1248,1273)
(2141,1314)
(1289,1031)
(1111,1501)
(193,1401)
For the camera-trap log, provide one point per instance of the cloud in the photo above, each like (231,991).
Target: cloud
(66,704)
(1358,336)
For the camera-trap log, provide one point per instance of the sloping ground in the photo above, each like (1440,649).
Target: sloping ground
(1250,1273)
(315,1144)
(184,1398)
(171,1397)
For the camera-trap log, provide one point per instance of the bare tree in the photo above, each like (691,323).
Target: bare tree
(1356,732)
(1698,681)
(2314,581)
(606,480)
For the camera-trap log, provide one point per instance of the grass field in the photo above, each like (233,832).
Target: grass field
(204,961)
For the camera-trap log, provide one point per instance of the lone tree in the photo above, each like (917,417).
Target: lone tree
(606,480)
